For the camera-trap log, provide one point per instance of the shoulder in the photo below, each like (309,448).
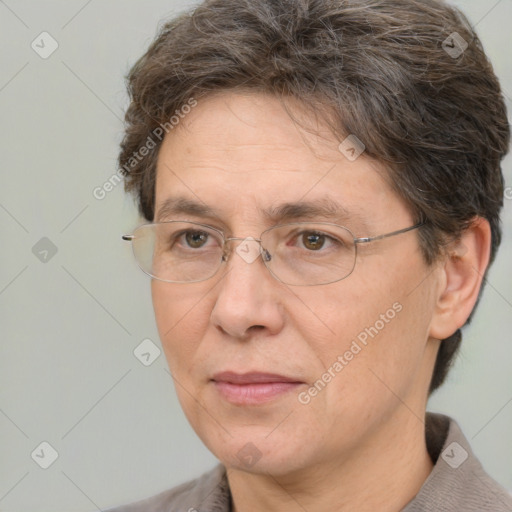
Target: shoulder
(458,480)
(208,492)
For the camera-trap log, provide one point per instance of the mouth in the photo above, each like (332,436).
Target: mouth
(253,388)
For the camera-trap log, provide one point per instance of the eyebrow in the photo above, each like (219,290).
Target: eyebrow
(183,206)
(324,208)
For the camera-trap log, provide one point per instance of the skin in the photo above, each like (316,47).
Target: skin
(359,444)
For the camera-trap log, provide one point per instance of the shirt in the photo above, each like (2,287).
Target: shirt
(457,482)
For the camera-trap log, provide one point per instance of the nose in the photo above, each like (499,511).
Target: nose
(248,296)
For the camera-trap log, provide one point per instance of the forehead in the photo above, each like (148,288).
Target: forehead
(242,154)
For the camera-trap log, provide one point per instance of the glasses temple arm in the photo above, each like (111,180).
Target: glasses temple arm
(386,235)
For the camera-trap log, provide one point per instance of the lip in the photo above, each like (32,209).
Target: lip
(251,378)
(253,388)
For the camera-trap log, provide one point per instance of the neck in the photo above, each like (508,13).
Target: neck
(384,474)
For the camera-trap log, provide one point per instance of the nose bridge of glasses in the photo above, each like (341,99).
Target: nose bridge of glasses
(248,249)
(243,238)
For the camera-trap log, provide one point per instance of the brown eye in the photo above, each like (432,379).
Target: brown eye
(313,241)
(196,239)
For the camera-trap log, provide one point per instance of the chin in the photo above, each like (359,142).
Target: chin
(259,455)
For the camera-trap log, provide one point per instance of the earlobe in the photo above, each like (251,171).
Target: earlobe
(465,263)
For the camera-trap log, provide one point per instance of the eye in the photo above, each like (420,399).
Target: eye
(192,239)
(315,241)
(196,239)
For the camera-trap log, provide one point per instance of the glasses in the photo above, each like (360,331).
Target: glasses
(297,254)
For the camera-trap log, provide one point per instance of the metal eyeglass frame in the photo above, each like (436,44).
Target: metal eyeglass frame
(266,256)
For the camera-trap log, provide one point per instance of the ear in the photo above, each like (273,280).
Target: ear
(464,266)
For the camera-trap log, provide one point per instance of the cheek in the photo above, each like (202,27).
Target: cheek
(181,315)
(381,329)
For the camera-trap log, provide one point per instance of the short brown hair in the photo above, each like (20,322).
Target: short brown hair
(396,73)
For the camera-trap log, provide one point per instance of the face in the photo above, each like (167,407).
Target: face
(363,340)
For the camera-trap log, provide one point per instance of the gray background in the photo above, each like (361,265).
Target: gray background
(68,375)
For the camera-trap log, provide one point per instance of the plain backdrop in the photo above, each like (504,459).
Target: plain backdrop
(74,306)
